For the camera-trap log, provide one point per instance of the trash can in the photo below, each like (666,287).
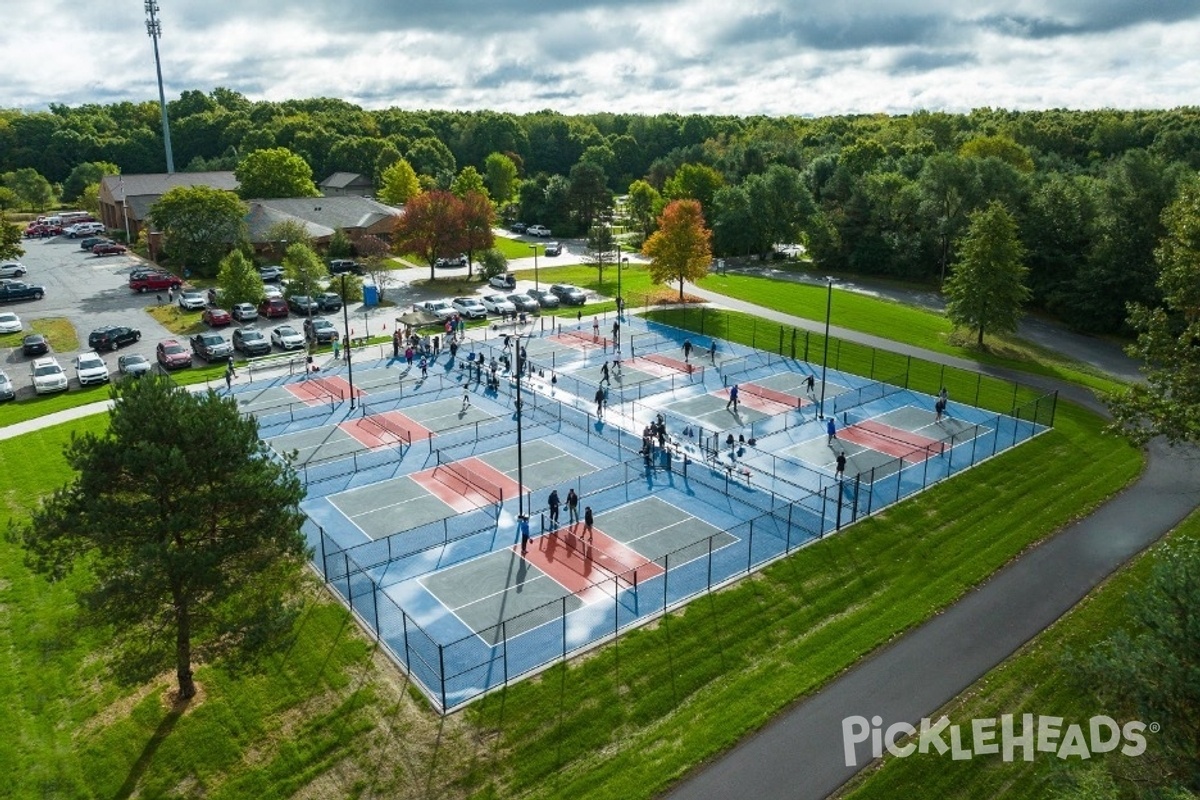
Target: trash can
(370,294)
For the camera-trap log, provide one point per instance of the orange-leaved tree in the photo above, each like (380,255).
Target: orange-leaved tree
(681,248)
(477,218)
(431,227)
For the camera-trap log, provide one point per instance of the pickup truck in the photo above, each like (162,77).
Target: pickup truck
(439,308)
(153,281)
(15,290)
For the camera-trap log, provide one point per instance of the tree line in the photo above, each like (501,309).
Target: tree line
(871,194)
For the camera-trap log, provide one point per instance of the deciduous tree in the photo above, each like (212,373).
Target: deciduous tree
(10,240)
(1168,402)
(399,184)
(644,202)
(189,528)
(85,174)
(477,218)
(238,281)
(374,252)
(432,227)
(680,250)
(987,288)
(304,270)
(468,181)
(274,172)
(200,224)
(500,175)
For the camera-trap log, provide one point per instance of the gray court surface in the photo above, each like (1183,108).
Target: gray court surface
(544,465)
(445,415)
(653,527)
(390,506)
(317,444)
(261,401)
(709,410)
(500,587)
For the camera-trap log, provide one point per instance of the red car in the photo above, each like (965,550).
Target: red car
(109,249)
(172,355)
(153,281)
(273,307)
(216,317)
(41,229)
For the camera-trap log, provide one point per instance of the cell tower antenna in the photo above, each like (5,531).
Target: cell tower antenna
(154,29)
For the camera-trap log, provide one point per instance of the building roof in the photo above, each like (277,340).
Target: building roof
(262,217)
(154,185)
(333,212)
(341,180)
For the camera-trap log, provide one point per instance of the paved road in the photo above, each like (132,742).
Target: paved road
(801,754)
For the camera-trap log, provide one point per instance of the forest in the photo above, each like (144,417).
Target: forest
(889,196)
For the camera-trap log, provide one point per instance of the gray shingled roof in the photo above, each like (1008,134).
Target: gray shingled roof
(159,184)
(262,217)
(333,212)
(340,180)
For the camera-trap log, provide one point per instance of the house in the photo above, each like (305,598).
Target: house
(347,184)
(125,200)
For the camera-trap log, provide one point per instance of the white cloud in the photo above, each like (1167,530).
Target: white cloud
(706,56)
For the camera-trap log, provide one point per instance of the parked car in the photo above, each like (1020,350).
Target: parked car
(568,295)
(109,249)
(339,266)
(329,301)
(112,337)
(505,281)
(192,300)
(216,317)
(272,307)
(517,227)
(544,298)
(459,260)
(35,344)
(439,308)
(320,330)
(90,368)
(538,230)
(286,337)
(133,365)
(244,312)
(553,249)
(7,392)
(92,241)
(143,282)
(270,292)
(524,302)
(211,346)
(172,355)
(270,273)
(498,304)
(12,269)
(302,305)
(469,307)
(47,376)
(42,230)
(84,229)
(251,342)
(15,290)
(10,322)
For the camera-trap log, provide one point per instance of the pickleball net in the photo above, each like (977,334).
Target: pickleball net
(470,478)
(386,426)
(880,430)
(774,395)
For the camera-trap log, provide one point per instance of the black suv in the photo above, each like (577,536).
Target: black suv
(112,337)
(302,304)
(211,346)
(568,295)
(339,265)
(251,342)
(329,302)
(320,329)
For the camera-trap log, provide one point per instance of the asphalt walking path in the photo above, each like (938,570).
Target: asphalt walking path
(801,753)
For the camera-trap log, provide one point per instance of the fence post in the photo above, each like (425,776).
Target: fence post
(442,669)
(780,340)
(907,372)
(375,609)
(407,652)
(754,334)
(750,549)
(793,344)
(563,615)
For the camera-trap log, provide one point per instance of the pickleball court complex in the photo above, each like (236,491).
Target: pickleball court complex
(413,494)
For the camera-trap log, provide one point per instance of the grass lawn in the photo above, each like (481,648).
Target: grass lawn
(58,331)
(902,323)
(1034,681)
(515,248)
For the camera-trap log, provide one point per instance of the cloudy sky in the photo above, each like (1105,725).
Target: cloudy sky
(705,56)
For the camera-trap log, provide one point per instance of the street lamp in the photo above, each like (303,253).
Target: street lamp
(519,363)
(536,284)
(825,356)
(621,262)
(346,323)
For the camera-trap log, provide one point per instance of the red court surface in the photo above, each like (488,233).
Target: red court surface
(579,564)
(580,339)
(467,484)
(676,364)
(314,391)
(766,406)
(893,441)
(373,429)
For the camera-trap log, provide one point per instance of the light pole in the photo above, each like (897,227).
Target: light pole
(536,284)
(520,367)
(621,262)
(825,356)
(346,323)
